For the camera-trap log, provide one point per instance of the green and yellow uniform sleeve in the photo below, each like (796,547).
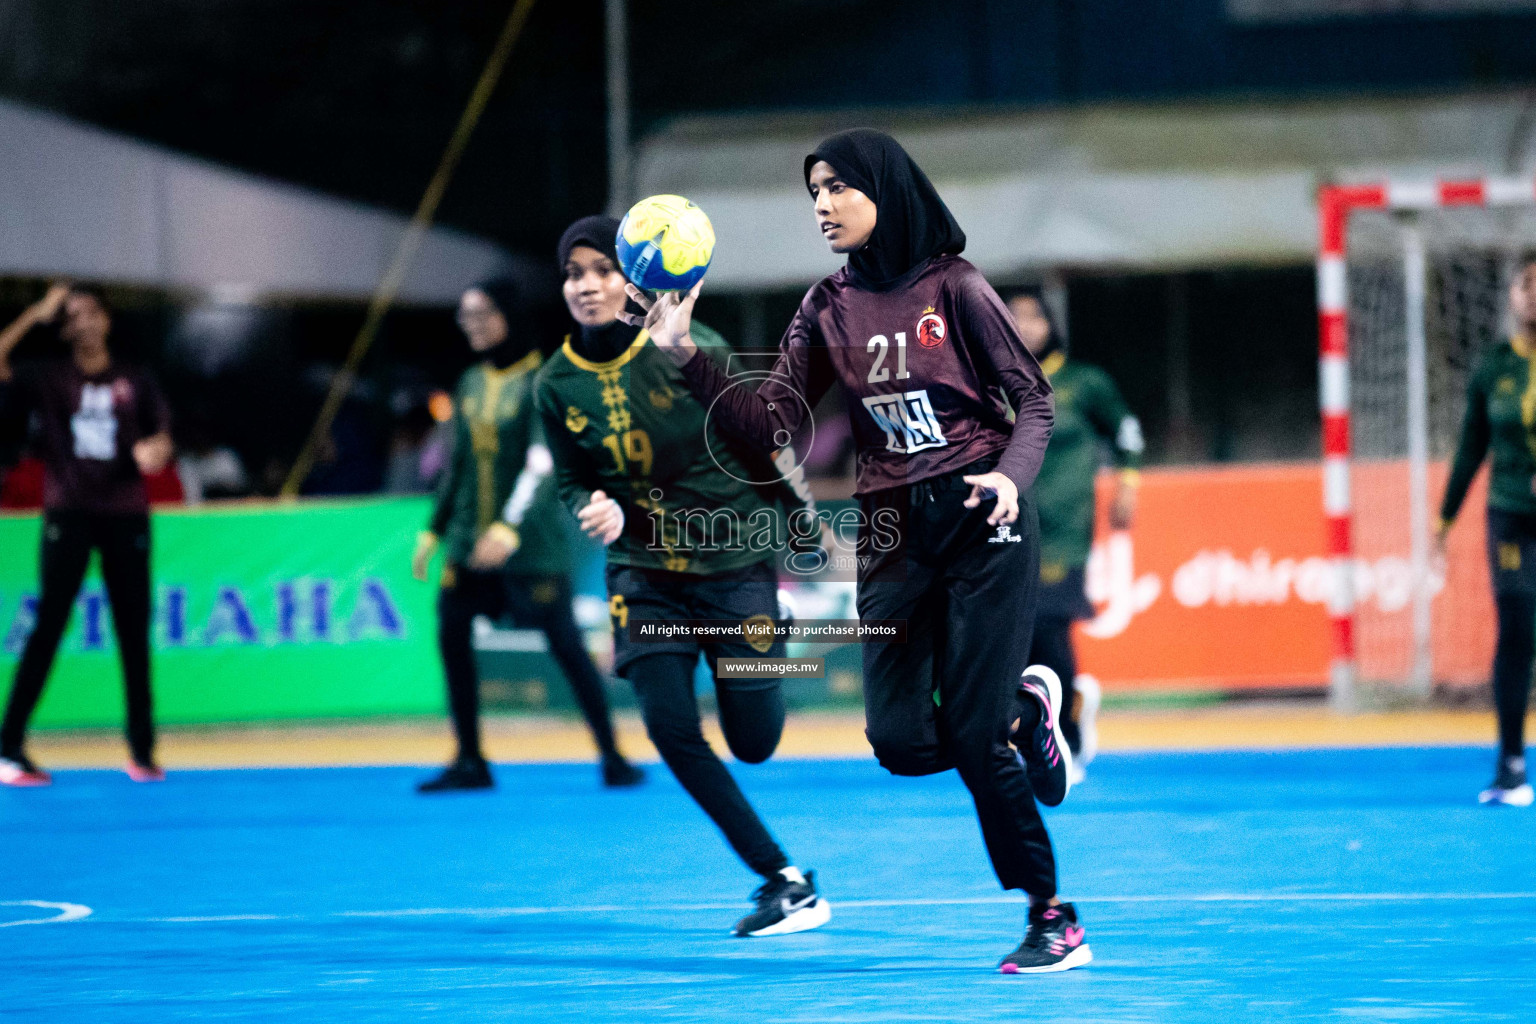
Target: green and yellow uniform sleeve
(494,427)
(1498,424)
(1090,414)
(694,500)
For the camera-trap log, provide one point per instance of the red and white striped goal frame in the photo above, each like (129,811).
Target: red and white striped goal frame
(1335,203)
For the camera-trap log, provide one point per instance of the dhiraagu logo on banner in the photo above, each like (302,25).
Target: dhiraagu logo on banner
(261,611)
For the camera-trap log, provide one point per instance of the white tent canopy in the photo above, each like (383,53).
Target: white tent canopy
(80,202)
(1139,186)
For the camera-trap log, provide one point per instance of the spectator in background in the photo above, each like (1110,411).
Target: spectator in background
(410,470)
(497,518)
(102,428)
(438,448)
(209,470)
(1497,426)
(1090,414)
(21,486)
(352,457)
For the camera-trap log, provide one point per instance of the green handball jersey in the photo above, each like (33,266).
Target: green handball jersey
(694,501)
(499,472)
(1501,411)
(1089,413)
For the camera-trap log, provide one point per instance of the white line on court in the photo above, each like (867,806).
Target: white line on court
(616,908)
(215,918)
(1222,897)
(66,912)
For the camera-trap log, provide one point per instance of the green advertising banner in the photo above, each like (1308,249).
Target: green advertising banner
(261,612)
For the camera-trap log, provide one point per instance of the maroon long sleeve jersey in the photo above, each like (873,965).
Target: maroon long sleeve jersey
(926,366)
(87,427)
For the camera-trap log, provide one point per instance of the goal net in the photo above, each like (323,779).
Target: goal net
(1426,295)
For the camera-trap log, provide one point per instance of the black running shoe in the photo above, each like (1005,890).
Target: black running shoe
(459,775)
(1047,759)
(618,773)
(1509,786)
(784,907)
(1054,942)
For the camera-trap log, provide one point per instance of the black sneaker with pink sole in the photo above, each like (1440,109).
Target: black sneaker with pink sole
(1055,941)
(1043,749)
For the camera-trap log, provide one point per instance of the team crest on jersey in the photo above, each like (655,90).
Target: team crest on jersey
(931,329)
(757,630)
(575,419)
(122,391)
(661,398)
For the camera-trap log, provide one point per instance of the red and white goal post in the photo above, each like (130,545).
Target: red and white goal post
(1411,285)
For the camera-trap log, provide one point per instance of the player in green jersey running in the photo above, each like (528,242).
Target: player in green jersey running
(497,520)
(690,533)
(1090,414)
(1500,417)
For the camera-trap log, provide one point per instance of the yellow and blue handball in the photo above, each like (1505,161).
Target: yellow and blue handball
(665,244)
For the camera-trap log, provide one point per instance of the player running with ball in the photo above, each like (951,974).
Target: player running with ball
(624,433)
(927,354)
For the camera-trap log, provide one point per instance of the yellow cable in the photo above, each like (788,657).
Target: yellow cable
(421,222)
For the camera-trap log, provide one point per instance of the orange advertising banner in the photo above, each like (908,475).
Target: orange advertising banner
(1222,583)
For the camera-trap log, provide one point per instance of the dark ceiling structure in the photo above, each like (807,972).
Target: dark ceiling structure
(358,98)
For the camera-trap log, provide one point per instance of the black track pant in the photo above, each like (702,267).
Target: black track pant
(1512,565)
(752,719)
(532,602)
(68,539)
(1512,668)
(1052,647)
(946,697)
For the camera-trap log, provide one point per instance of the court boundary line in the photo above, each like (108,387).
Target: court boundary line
(79,911)
(66,912)
(1000,900)
(1363,897)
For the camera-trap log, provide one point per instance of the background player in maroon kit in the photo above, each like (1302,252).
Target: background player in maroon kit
(102,428)
(931,361)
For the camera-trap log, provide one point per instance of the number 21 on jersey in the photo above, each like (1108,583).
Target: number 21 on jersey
(879,373)
(907,418)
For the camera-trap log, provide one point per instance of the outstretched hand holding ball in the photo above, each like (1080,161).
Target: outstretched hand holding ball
(665,245)
(667,320)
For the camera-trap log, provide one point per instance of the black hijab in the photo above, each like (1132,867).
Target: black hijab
(913,223)
(507,298)
(600,233)
(609,341)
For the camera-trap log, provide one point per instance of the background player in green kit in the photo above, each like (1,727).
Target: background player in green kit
(688,537)
(1500,416)
(1089,414)
(497,519)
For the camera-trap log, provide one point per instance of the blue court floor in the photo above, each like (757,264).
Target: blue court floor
(1348,885)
